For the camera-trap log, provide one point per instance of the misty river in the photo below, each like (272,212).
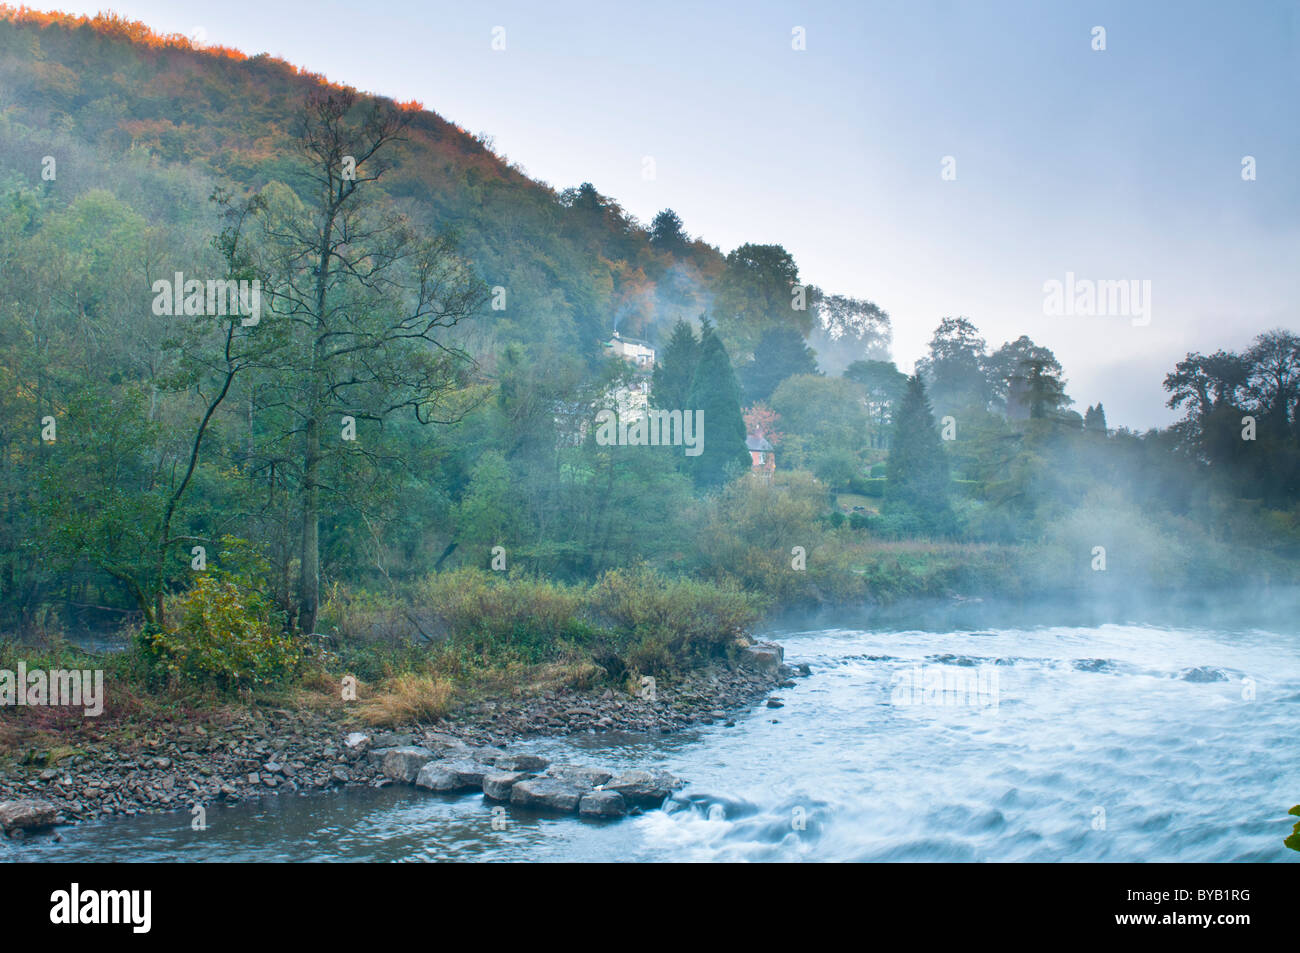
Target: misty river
(942,742)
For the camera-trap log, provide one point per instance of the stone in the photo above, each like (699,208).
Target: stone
(644,788)
(602,804)
(765,656)
(521,762)
(552,794)
(27,815)
(1204,674)
(390,739)
(775,702)
(452,777)
(498,784)
(404,764)
(356,739)
(579,774)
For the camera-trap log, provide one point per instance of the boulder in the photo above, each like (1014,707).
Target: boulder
(498,784)
(446,746)
(521,762)
(602,804)
(26,815)
(644,788)
(356,739)
(451,777)
(1203,674)
(765,656)
(579,774)
(551,794)
(404,764)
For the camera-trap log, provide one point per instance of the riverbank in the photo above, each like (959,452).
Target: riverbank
(175,760)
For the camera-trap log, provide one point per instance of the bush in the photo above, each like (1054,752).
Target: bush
(872,487)
(224,632)
(660,624)
(488,616)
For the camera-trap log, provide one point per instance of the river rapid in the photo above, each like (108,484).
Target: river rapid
(947,741)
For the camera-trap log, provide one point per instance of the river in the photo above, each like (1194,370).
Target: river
(1093,742)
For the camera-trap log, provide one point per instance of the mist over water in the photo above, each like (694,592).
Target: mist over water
(1151,727)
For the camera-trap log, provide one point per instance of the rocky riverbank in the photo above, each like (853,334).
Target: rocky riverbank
(261,752)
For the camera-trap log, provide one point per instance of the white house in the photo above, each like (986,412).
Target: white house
(632,350)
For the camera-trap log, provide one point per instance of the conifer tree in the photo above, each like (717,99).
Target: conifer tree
(715,392)
(918,483)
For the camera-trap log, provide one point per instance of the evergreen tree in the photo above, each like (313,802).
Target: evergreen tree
(1044,389)
(675,369)
(715,392)
(1094,421)
(918,483)
(781,353)
(667,233)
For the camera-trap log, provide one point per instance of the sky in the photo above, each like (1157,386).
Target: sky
(939,158)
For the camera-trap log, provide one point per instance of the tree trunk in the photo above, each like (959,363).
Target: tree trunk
(309,593)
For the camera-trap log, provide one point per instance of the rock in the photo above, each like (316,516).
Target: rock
(644,788)
(498,784)
(765,656)
(357,739)
(376,755)
(775,702)
(1204,674)
(602,804)
(552,794)
(452,777)
(389,739)
(404,764)
(579,774)
(27,815)
(339,775)
(521,762)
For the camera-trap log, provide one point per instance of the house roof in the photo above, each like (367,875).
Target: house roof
(757,442)
(625,340)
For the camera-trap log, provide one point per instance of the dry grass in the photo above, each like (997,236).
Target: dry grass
(408,699)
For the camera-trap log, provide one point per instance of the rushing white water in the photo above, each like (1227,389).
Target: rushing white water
(1099,743)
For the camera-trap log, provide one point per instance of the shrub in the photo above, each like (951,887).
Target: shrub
(486,615)
(224,632)
(661,624)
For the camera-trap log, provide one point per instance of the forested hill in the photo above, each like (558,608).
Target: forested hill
(158,122)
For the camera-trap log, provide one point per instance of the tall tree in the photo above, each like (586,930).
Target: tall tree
(781,353)
(667,233)
(369,303)
(847,330)
(918,482)
(675,368)
(1008,370)
(716,394)
(883,386)
(757,291)
(954,368)
(1094,421)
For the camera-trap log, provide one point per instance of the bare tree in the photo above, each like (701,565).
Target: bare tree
(366,300)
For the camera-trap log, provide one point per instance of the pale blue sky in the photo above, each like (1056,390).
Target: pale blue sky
(1122,164)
